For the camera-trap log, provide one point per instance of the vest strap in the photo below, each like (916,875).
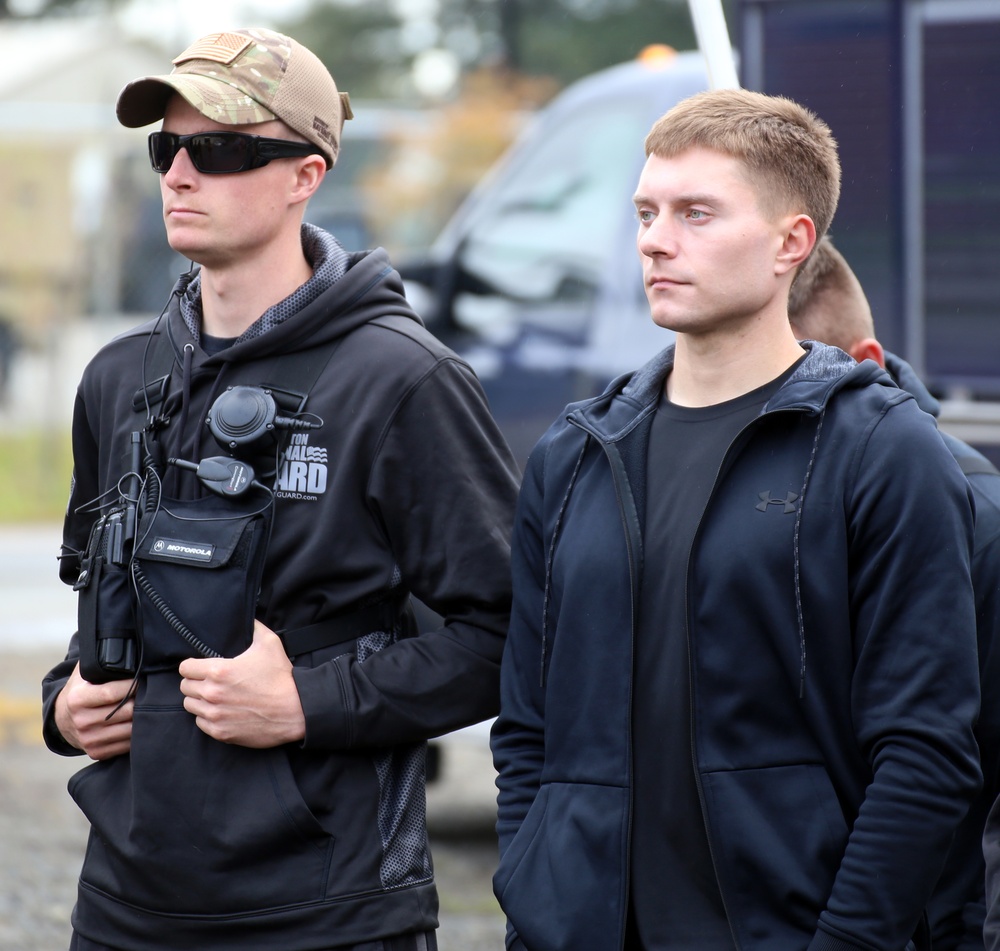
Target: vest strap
(340,629)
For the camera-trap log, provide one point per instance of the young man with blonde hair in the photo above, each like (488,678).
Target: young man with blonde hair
(729,718)
(827,303)
(262,477)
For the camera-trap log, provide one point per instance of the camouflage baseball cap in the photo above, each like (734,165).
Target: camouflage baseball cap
(246,76)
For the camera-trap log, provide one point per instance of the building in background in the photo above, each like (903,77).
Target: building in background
(65,186)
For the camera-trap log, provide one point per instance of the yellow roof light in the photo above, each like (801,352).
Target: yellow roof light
(656,54)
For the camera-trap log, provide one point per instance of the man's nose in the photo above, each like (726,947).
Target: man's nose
(658,238)
(181,168)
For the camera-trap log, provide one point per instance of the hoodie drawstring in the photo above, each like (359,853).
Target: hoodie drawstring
(212,394)
(186,385)
(796,556)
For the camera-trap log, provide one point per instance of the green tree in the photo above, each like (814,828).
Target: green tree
(570,38)
(370,50)
(566,39)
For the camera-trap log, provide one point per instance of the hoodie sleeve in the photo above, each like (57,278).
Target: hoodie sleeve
(443,486)
(76,528)
(915,690)
(959,905)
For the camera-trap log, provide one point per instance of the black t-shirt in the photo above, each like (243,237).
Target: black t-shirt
(675,898)
(213,345)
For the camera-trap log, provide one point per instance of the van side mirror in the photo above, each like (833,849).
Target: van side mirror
(426,290)
(443,280)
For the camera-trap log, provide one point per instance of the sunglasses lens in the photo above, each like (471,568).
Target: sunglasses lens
(162,149)
(209,152)
(225,152)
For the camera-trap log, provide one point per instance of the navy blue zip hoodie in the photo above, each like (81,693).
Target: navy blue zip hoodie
(832,666)
(407,487)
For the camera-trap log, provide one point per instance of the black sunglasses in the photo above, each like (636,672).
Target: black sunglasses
(220,153)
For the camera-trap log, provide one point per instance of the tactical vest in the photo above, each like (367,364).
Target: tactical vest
(165,579)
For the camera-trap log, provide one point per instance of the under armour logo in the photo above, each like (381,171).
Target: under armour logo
(788,501)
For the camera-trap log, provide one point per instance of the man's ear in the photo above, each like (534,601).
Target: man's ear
(868,348)
(309,174)
(799,239)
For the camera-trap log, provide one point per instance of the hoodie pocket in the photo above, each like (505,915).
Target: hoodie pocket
(188,825)
(561,880)
(779,834)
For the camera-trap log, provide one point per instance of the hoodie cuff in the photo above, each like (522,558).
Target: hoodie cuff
(824,941)
(50,732)
(321,693)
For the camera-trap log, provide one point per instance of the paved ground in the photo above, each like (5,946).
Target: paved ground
(42,834)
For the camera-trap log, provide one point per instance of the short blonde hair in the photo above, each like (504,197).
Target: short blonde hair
(827,302)
(790,153)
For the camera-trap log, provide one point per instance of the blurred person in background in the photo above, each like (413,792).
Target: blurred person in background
(10,343)
(260,779)
(740,682)
(827,303)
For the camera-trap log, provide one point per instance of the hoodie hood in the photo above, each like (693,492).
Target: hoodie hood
(370,288)
(906,378)
(824,371)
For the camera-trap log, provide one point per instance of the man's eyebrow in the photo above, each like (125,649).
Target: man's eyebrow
(681,201)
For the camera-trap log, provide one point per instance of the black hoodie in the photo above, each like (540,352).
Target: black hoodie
(407,487)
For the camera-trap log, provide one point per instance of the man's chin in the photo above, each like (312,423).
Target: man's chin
(194,252)
(671,320)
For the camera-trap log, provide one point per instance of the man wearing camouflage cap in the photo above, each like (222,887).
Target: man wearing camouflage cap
(265,789)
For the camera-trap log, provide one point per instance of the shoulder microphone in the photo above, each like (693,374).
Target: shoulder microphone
(244,415)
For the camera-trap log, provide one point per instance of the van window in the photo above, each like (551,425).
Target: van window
(537,250)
